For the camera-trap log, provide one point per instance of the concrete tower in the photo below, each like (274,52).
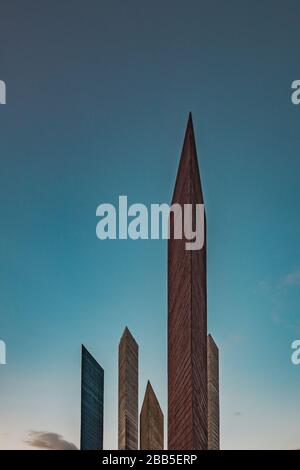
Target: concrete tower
(92,398)
(151,422)
(128,392)
(187,318)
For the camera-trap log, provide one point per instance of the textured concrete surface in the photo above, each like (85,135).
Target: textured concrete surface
(151,422)
(187,319)
(92,402)
(128,392)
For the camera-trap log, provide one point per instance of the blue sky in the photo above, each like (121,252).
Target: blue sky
(98,96)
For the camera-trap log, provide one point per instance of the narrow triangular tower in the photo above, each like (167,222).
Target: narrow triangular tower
(92,402)
(128,392)
(187,318)
(151,422)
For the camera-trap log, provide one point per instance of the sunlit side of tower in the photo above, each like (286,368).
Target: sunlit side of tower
(151,422)
(128,392)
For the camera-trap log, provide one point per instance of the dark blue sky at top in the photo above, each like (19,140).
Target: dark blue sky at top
(98,95)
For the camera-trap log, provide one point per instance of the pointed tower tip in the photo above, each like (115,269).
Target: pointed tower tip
(149,390)
(212,342)
(84,350)
(190,121)
(126,331)
(189,131)
(185,170)
(150,395)
(127,334)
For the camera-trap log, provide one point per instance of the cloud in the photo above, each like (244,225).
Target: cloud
(292,279)
(232,341)
(277,292)
(48,440)
(264,286)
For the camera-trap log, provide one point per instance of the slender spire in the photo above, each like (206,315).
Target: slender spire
(188,166)
(128,392)
(187,318)
(151,422)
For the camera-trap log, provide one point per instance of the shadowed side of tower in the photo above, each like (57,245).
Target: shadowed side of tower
(128,392)
(187,318)
(92,402)
(151,422)
(213,394)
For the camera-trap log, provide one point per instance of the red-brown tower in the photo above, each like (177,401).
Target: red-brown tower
(187,318)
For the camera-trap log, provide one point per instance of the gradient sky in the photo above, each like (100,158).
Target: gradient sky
(98,95)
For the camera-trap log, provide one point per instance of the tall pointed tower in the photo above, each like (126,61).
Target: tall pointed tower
(128,392)
(151,422)
(92,397)
(187,318)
